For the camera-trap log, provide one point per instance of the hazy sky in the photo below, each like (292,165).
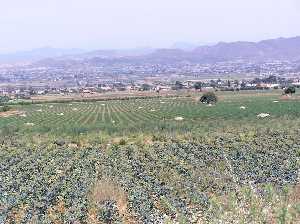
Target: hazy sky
(90,24)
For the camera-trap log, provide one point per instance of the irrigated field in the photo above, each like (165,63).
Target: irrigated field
(213,164)
(155,115)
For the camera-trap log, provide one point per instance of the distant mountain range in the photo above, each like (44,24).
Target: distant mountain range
(273,49)
(189,46)
(281,49)
(69,54)
(37,54)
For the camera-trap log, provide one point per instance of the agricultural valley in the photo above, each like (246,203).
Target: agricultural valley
(157,159)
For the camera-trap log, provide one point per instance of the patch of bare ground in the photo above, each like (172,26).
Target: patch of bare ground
(148,140)
(17,214)
(56,212)
(286,97)
(294,199)
(116,140)
(290,97)
(10,113)
(105,96)
(295,195)
(105,190)
(289,207)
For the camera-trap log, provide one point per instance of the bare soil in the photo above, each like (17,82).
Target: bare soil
(10,113)
(103,96)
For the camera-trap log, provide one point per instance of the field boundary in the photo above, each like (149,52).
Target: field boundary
(97,99)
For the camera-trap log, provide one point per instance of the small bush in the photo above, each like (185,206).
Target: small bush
(4,108)
(4,99)
(209,98)
(290,90)
(122,142)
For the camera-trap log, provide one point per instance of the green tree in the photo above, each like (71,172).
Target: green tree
(178,85)
(228,83)
(198,86)
(243,85)
(4,99)
(145,87)
(209,98)
(290,90)
(4,108)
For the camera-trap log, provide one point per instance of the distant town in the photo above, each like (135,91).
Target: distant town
(23,82)
(222,67)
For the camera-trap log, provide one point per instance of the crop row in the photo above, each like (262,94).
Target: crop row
(173,180)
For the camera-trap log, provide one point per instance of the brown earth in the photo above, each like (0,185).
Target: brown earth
(104,96)
(10,113)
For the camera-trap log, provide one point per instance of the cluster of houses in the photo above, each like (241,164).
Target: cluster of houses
(271,82)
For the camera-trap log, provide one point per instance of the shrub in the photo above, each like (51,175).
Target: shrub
(290,90)
(209,98)
(177,86)
(122,142)
(145,87)
(4,108)
(198,86)
(4,99)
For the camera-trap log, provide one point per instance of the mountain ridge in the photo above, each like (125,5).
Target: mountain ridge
(265,50)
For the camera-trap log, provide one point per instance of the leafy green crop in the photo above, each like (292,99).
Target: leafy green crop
(163,181)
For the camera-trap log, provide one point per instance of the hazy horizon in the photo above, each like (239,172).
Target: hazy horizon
(132,24)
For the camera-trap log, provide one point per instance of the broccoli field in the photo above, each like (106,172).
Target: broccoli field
(135,161)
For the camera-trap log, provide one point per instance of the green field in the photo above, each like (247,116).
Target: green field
(131,161)
(155,115)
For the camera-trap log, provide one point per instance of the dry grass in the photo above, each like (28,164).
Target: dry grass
(248,207)
(108,190)
(104,96)
(17,214)
(92,216)
(294,197)
(56,212)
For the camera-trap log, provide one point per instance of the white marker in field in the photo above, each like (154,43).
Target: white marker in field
(178,118)
(29,124)
(263,115)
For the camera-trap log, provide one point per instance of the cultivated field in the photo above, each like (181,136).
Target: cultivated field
(122,117)
(160,160)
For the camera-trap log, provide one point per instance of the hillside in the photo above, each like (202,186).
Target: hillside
(273,49)
(281,49)
(37,54)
